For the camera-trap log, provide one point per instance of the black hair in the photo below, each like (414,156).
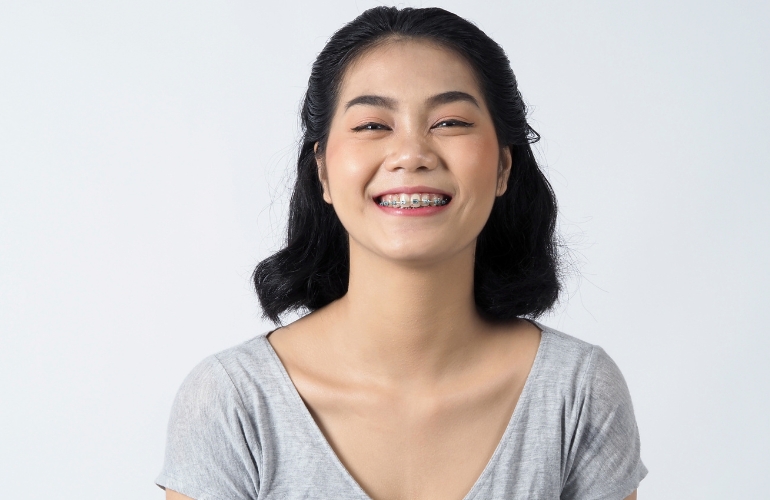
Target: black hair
(516,267)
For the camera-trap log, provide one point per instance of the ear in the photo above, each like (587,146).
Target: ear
(322,175)
(504,170)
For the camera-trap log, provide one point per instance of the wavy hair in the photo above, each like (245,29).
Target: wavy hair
(516,270)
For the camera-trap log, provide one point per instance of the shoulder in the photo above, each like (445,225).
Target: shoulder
(215,384)
(251,356)
(238,375)
(563,361)
(595,373)
(579,361)
(240,388)
(582,380)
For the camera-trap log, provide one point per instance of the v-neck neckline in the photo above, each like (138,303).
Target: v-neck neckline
(319,436)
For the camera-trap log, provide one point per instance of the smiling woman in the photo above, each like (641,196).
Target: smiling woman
(421,235)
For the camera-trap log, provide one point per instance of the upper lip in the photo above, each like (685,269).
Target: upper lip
(412,190)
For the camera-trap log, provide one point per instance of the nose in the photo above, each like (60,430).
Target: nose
(411,151)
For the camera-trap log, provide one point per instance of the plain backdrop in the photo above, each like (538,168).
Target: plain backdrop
(146,151)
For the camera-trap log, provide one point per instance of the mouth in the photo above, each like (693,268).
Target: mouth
(412,201)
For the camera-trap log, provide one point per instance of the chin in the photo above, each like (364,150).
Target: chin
(415,259)
(412,254)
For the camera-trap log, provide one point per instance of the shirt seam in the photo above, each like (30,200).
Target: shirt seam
(242,406)
(580,398)
(590,365)
(232,382)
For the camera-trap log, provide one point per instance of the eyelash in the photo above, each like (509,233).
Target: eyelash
(457,123)
(368,126)
(380,126)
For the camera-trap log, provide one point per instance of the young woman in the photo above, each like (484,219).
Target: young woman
(421,232)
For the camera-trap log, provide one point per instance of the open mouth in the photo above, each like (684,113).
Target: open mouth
(412,201)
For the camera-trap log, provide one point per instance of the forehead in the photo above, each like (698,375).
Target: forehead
(406,69)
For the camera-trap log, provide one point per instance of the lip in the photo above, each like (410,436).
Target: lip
(418,212)
(412,190)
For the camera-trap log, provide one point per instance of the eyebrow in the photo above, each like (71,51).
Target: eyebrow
(432,102)
(452,96)
(372,100)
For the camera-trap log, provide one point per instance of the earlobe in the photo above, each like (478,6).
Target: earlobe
(322,176)
(504,170)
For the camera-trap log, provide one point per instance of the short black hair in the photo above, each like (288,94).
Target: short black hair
(516,262)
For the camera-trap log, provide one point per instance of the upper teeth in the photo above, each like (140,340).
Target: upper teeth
(413,200)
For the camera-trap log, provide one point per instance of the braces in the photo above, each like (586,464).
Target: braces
(404,203)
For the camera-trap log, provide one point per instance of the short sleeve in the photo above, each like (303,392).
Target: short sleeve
(210,452)
(604,457)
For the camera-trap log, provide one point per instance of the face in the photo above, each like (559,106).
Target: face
(411,123)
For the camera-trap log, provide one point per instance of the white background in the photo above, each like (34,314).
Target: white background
(145,151)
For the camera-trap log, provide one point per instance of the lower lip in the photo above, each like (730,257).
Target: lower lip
(412,212)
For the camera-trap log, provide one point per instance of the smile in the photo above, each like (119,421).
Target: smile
(414,200)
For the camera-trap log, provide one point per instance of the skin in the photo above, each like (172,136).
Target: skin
(422,387)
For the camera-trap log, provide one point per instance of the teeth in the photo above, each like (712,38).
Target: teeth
(414,200)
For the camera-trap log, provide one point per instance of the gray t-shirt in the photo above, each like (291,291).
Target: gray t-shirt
(239,430)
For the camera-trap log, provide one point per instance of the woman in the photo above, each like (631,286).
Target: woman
(421,231)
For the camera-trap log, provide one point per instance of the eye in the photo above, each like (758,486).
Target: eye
(452,123)
(370,126)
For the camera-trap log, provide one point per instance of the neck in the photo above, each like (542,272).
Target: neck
(408,321)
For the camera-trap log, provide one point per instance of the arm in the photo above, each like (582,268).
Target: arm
(632,496)
(173,495)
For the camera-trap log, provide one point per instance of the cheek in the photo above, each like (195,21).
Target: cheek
(349,167)
(479,160)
